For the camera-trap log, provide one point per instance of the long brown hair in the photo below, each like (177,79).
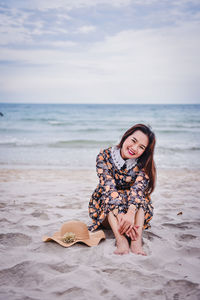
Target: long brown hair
(145,161)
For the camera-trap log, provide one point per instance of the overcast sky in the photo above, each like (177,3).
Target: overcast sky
(98,51)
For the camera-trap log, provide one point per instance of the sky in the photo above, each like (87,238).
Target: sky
(100,51)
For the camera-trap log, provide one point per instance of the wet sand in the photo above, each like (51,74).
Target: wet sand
(36,202)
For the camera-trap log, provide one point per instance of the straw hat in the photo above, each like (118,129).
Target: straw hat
(73,232)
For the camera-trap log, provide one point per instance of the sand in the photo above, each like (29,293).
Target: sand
(35,202)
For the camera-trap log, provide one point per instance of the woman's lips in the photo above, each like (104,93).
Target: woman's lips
(131,152)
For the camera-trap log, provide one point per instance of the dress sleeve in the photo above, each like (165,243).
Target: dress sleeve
(106,180)
(138,191)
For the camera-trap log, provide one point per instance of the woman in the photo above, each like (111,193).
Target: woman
(126,179)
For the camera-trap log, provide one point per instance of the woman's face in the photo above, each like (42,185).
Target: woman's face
(135,145)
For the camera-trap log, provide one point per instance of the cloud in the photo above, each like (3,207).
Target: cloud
(134,65)
(86,29)
(69,5)
(26,23)
(11,27)
(21,27)
(127,52)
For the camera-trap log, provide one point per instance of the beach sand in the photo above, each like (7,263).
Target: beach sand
(36,202)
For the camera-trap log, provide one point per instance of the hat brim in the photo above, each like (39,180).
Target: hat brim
(95,238)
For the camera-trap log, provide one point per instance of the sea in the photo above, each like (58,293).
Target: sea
(71,135)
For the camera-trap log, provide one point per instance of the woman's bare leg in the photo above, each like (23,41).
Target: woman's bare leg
(121,241)
(136,246)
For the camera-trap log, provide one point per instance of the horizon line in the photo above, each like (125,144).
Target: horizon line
(88,103)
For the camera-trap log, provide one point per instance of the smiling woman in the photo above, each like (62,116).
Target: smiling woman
(126,180)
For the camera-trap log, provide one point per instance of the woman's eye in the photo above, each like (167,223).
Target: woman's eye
(133,140)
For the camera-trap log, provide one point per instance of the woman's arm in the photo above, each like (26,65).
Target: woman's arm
(106,180)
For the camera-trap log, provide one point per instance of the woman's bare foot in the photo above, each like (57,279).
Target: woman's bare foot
(122,246)
(136,247)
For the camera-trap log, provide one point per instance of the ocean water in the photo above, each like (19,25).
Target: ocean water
(71,135)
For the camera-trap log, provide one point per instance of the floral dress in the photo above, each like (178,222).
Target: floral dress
(121,184)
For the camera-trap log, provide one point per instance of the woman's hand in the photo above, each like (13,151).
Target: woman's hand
(125,222)
(132,232)
(126,225)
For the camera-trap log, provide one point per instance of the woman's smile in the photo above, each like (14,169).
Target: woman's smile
(131,152)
